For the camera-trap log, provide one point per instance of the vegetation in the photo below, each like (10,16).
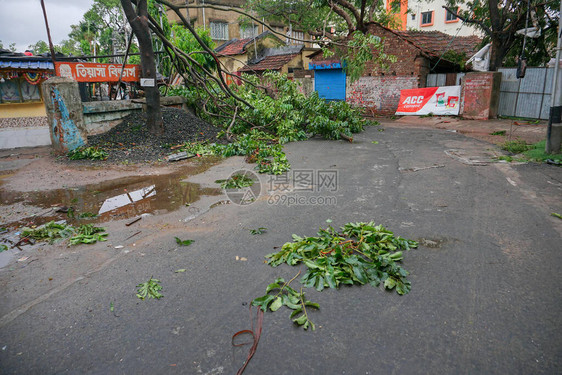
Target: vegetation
(92,153)
(277,115)
(237,181)
(279,294)
(150,289)
(536,152)
(183,242)
(499,21)
(52,232)
(361,253)
(515,146)
(260,230)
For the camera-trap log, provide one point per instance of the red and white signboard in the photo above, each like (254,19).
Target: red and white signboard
(96,72)
(436,100)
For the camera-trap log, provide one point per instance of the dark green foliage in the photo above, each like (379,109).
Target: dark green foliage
(361,254)
(92,153)
(260,230)
(516,146)
(499,132)
(52,232)
(279,294)
(282,113)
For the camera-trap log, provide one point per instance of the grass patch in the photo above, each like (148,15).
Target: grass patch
(516,146)
(536,153)
(499,132)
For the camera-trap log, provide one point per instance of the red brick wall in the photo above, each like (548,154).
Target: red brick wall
(379,94)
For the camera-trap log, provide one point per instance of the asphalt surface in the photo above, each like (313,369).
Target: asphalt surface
(485,299)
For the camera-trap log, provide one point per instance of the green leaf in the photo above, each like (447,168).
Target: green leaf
(180,270)
(276,304)
(389,283)
(272,286)
(183,242)
(300,320)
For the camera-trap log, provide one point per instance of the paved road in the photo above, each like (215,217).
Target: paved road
(485,299)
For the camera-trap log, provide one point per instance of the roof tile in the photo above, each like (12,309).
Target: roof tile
(270,63)
(436,42)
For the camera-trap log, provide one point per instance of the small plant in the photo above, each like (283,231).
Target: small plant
(499,132)
(515,147)
(183,242)
(150,289)
(279,293)
(3,247)
(260,230)
(92,153)
(237,181)
(556,215)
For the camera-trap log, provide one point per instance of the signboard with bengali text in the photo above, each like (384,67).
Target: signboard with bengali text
(436,100)
(97,72)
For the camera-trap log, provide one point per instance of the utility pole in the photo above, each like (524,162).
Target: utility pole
(554,129)
(51,47)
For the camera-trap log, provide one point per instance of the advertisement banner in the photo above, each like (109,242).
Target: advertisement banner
(436,100)
(97,72)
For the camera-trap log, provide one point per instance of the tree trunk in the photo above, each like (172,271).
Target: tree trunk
(139,23)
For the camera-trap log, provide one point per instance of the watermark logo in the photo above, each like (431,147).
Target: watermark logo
(303,181)
(243,187)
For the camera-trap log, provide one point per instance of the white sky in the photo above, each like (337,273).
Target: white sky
(21,21)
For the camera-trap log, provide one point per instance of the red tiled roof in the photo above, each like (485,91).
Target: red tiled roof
(436,42)
(235,47)
(270,63)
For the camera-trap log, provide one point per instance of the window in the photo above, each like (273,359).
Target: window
(298,35)
(450,17)
(219,30)
(427,18)
(248,31)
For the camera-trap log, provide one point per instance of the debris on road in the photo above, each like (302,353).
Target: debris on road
(179,156)
(150,289)
(255,333)
(134,221)
(56,231)
(279,293)
(183,242)
(260,230)
(415,169)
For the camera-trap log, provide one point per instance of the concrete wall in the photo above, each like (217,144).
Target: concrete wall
(307,85)
(379,94)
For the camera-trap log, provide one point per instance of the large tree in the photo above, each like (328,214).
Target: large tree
(139,20)
(499,20)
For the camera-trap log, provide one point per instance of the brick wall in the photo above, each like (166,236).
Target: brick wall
(379,94)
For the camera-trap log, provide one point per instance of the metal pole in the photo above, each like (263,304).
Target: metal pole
(51,47)
(555,108)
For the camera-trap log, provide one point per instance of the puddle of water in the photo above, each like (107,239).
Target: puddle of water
(115,199)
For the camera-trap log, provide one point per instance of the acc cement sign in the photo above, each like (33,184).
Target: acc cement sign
(436,100)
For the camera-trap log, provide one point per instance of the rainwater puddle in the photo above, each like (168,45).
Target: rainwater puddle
(113,200)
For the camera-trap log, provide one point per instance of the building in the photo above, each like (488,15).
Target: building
(417,54)
(429,15)
(227,25)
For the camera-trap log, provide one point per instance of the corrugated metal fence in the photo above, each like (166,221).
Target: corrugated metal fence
(527,97)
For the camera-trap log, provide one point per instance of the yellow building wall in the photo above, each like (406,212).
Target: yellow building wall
(36,109)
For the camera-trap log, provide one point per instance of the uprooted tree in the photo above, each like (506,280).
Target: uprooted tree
(258,115)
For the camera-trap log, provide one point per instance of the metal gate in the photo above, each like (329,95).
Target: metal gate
(526,97)
(330,83)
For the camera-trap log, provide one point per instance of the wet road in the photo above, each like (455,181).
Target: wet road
(485,286)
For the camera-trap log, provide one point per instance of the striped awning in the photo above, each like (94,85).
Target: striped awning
(10,64)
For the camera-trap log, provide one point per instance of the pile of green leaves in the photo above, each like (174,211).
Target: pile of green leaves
(150,289)
(237,181)
(515,146)
(361,254)
(257,146)
(281,112)
(52,232)
(92,153)
(278,294)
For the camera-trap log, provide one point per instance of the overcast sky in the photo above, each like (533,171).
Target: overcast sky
(21,21)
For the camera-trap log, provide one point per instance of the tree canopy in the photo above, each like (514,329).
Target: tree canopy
(500,20)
